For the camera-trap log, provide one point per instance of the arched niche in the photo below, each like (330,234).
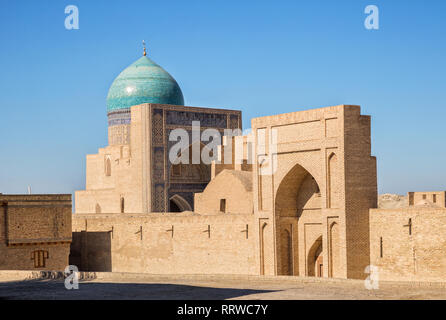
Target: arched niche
(298,197)
(314,260)
(297,191)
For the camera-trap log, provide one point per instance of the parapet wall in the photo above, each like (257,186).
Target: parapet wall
(183,243)
(409,244)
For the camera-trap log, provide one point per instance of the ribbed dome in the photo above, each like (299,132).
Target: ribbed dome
(143,82)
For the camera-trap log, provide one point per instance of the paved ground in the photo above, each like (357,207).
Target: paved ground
(215,289)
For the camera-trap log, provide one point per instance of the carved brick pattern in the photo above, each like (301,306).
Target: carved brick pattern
(158,160)
(185,118)
(119,134)
(159,203)
(161,167)
(158,164)
(157,127)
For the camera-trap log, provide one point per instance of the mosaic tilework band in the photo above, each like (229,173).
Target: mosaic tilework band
(119,117)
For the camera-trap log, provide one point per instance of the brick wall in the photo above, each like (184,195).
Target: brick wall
(402,254)
(35,232)
(360,189)
(437,198)
(146,243)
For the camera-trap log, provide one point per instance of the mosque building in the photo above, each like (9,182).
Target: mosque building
(301,200)
(297,196)
(133,173)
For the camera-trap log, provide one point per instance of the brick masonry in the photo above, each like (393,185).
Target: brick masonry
(308,218)
(35,232)
(409,244)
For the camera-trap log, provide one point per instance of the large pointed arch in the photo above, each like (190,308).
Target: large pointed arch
(297,202)
(297,190)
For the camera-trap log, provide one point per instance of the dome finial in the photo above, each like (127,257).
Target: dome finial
(144,45)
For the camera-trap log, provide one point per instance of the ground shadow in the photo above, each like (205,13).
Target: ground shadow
(55,290)
(91,251)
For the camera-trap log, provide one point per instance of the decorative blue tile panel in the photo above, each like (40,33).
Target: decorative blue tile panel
(120,117)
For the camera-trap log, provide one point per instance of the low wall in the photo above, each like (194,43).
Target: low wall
(409,244)
(183,243)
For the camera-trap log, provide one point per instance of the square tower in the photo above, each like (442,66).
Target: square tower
(314,182)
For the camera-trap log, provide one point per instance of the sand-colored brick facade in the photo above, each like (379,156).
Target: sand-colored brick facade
(35,232)
(298,197)
(409,244)
(138,176)
(301,207)
(318,198)
(432,198)
(181,243)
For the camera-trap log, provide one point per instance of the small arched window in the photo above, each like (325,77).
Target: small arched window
(108,167)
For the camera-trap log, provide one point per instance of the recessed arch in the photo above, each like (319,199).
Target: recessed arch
(297,202)
(262,248)
(297,190)
(286,247)
(178,204)
(107,166)
(334,253)
(291,167)
(332,181)
(314,260)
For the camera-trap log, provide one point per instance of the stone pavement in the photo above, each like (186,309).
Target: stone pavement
(27,285)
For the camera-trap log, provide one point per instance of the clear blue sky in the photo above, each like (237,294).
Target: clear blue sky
(263,57)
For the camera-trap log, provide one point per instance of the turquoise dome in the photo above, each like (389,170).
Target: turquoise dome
(143,82)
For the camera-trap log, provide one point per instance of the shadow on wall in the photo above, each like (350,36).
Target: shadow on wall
(44,290)
(91,251)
